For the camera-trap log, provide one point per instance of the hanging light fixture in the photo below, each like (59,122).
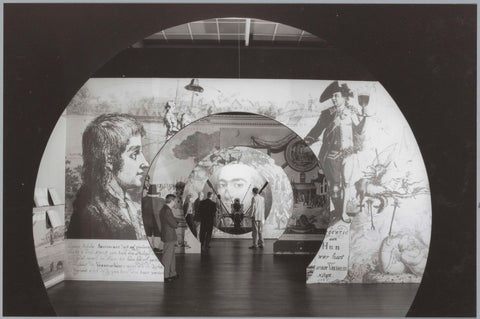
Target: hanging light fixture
(194,86)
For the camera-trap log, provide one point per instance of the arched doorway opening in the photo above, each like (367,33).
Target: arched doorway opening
(289,118)
(235,153)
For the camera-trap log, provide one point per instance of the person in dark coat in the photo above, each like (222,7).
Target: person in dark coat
(196,213)
(188,213)
(150,204)
(169,238)
(207,208)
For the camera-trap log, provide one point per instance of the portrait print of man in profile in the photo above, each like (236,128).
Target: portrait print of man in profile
(113,163)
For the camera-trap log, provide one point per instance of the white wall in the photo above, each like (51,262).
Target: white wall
(51,172)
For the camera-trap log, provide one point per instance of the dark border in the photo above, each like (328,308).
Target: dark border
(424,55)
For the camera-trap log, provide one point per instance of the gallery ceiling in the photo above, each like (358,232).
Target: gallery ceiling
(232,31)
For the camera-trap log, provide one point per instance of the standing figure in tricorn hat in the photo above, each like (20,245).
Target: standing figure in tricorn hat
(342,127)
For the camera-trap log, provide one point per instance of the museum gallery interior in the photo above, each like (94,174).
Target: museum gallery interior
(234,160)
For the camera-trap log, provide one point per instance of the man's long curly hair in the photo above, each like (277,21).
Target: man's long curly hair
(103,142)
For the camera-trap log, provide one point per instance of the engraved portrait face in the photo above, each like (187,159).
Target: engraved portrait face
(134,164)
(337,99)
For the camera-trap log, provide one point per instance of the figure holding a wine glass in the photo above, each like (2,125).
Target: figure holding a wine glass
(342,126)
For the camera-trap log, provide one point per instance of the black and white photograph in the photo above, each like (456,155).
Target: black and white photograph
(215,153)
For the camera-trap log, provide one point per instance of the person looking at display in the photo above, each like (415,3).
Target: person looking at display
(258,217)
(196,213)
(169,238)
(207,210)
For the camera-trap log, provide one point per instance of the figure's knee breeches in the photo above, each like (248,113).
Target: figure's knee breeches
(333,169)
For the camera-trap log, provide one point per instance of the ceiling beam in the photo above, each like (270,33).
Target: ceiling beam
(301,36)
(218,30)
(247,31)
(199,44)
(275,32)
(190,31)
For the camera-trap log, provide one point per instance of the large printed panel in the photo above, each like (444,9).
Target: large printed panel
(378,194)
(378,186)
(250,150)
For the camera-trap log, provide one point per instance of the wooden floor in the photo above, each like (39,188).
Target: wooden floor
(233,281)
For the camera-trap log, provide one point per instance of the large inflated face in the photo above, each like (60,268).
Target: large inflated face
(237,181)
(134,164)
